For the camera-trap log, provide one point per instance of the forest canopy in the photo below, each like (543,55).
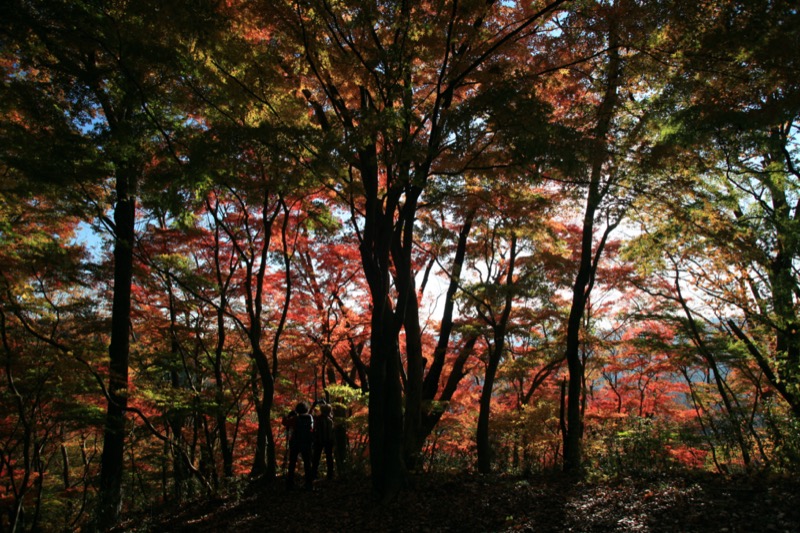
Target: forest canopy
(493,236)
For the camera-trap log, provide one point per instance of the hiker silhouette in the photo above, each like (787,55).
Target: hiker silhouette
(301,427)
(323,438)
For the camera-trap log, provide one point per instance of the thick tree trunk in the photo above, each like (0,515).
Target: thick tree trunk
(385,416)
(573,443)
(111,462)
(482,436)
(264,461)
(385,398)
(415,369)
(386,412)
(783,281)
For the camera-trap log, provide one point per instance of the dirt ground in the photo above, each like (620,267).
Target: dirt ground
(473,503)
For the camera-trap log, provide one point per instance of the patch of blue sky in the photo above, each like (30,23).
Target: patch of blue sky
(90,238)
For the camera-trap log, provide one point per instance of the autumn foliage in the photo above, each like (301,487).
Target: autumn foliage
(495,236)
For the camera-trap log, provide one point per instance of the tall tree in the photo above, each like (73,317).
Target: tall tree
(105,67)
(385,82)
(730,144)
(505,273)
(44,308)
(499,324)
(328,273)
(255,154)
(748,111)
(611,118)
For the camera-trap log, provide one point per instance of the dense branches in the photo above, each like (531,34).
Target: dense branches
(477,228)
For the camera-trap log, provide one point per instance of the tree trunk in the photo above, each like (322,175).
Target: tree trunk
(220,416)
(264,460)
(437,409)
(176,420)
(219,381)
(385,411)
(482,436)
(385,416)
(112,459)
(415,369)
(431,414)
(573,443)
(500,328)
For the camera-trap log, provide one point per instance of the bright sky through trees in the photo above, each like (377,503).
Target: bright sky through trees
(496,236)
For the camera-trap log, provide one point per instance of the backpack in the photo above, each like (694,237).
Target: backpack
(303,426)
(323,424)
(324,429)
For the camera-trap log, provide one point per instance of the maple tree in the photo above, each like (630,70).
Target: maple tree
(736,212)
(185,278)
(385,81)
(499,236)
(505,275)
(91,62)
(330,284)
(611,121)
(44,307)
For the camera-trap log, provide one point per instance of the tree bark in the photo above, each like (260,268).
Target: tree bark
(112,459)
(385,416)
(500,328)
(264,460)
(573,442)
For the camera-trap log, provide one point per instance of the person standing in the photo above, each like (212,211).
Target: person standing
(323,439)
(300,443)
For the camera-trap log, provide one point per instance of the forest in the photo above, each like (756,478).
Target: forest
(501,239)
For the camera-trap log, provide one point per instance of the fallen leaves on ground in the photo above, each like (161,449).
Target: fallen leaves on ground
(440,503)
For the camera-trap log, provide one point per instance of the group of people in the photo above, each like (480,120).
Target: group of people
(309,433)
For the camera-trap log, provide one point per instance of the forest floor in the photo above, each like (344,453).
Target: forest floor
(473,503)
